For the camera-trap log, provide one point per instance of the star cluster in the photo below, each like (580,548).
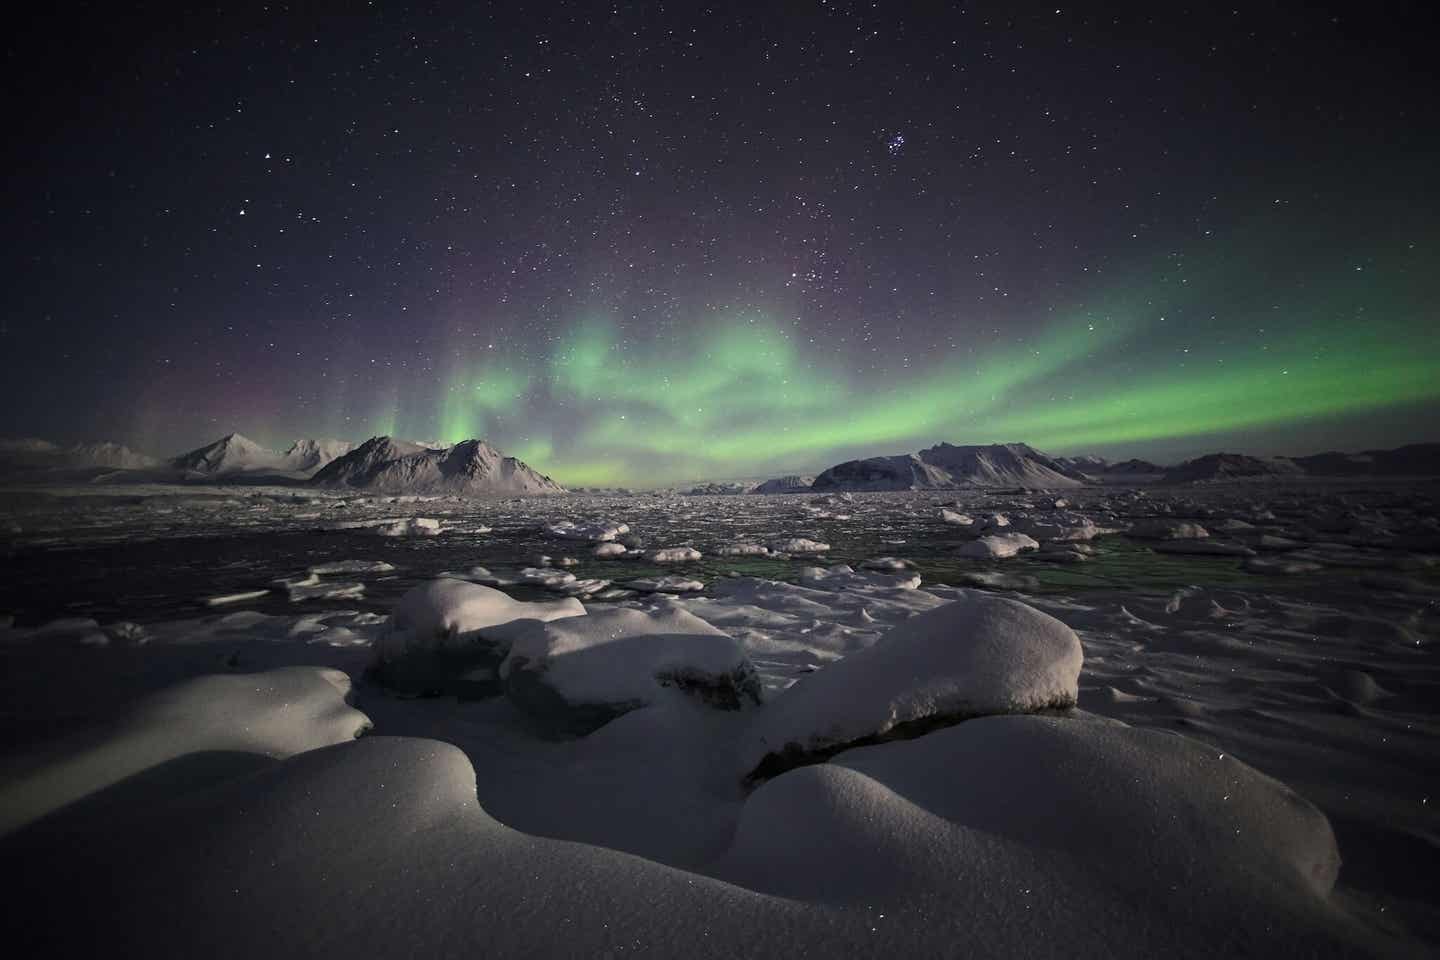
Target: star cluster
(639,243)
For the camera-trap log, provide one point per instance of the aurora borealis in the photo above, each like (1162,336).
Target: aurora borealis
(638,244)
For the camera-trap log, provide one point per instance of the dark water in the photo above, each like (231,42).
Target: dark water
(157,558)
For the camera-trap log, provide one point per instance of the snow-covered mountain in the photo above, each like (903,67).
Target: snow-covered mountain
(1232,466)
(722,488)
(1134,467)
(308,456)
(947,466)
(34,454)
(787,484)
(1413,460)
(1087,464)
(235,454)
(471,468)
(232,453)
(105,454)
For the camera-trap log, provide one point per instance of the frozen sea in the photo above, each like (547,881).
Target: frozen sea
(1302,641)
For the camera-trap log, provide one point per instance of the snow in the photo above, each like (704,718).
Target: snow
(222,599)
(574,675)
(1031,805)
(800,545)
(997,546)
(608,550)
(443,613)
(673,555)
(1160,528)
(409,527)
(788,484)
(666,584)
(308,456)
(978,655)
(469,468)
(271,714)
(352,566)
(742,550)
(887,564)
(842,576)
(945,467)
(598,531)
(546,577)
(460,829)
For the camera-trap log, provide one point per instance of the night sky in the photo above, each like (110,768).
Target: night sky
(641,243)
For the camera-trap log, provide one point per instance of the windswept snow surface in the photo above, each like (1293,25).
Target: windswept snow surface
(1249,767)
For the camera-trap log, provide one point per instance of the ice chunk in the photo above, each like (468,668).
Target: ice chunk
(352,566)
(843,577)
(666,584)
(743,550)
(409,527)
(1161,528)
(799,545)
(997,546)
(673,555)
(598,531)
(546,577)
(228,598)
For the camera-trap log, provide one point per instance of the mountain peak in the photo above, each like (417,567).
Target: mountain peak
(469,468)
(947,466)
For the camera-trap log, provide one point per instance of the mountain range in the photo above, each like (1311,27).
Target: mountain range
(386,465)
(235,454)
(946,467)
(474,467)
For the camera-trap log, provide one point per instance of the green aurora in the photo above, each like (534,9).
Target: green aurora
(744,395)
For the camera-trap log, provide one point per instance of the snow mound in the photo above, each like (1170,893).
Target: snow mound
(440,631)
(978,655)
(1203,834)
(272,714)
(573,675)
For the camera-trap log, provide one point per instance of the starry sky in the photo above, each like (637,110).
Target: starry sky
(639,243)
